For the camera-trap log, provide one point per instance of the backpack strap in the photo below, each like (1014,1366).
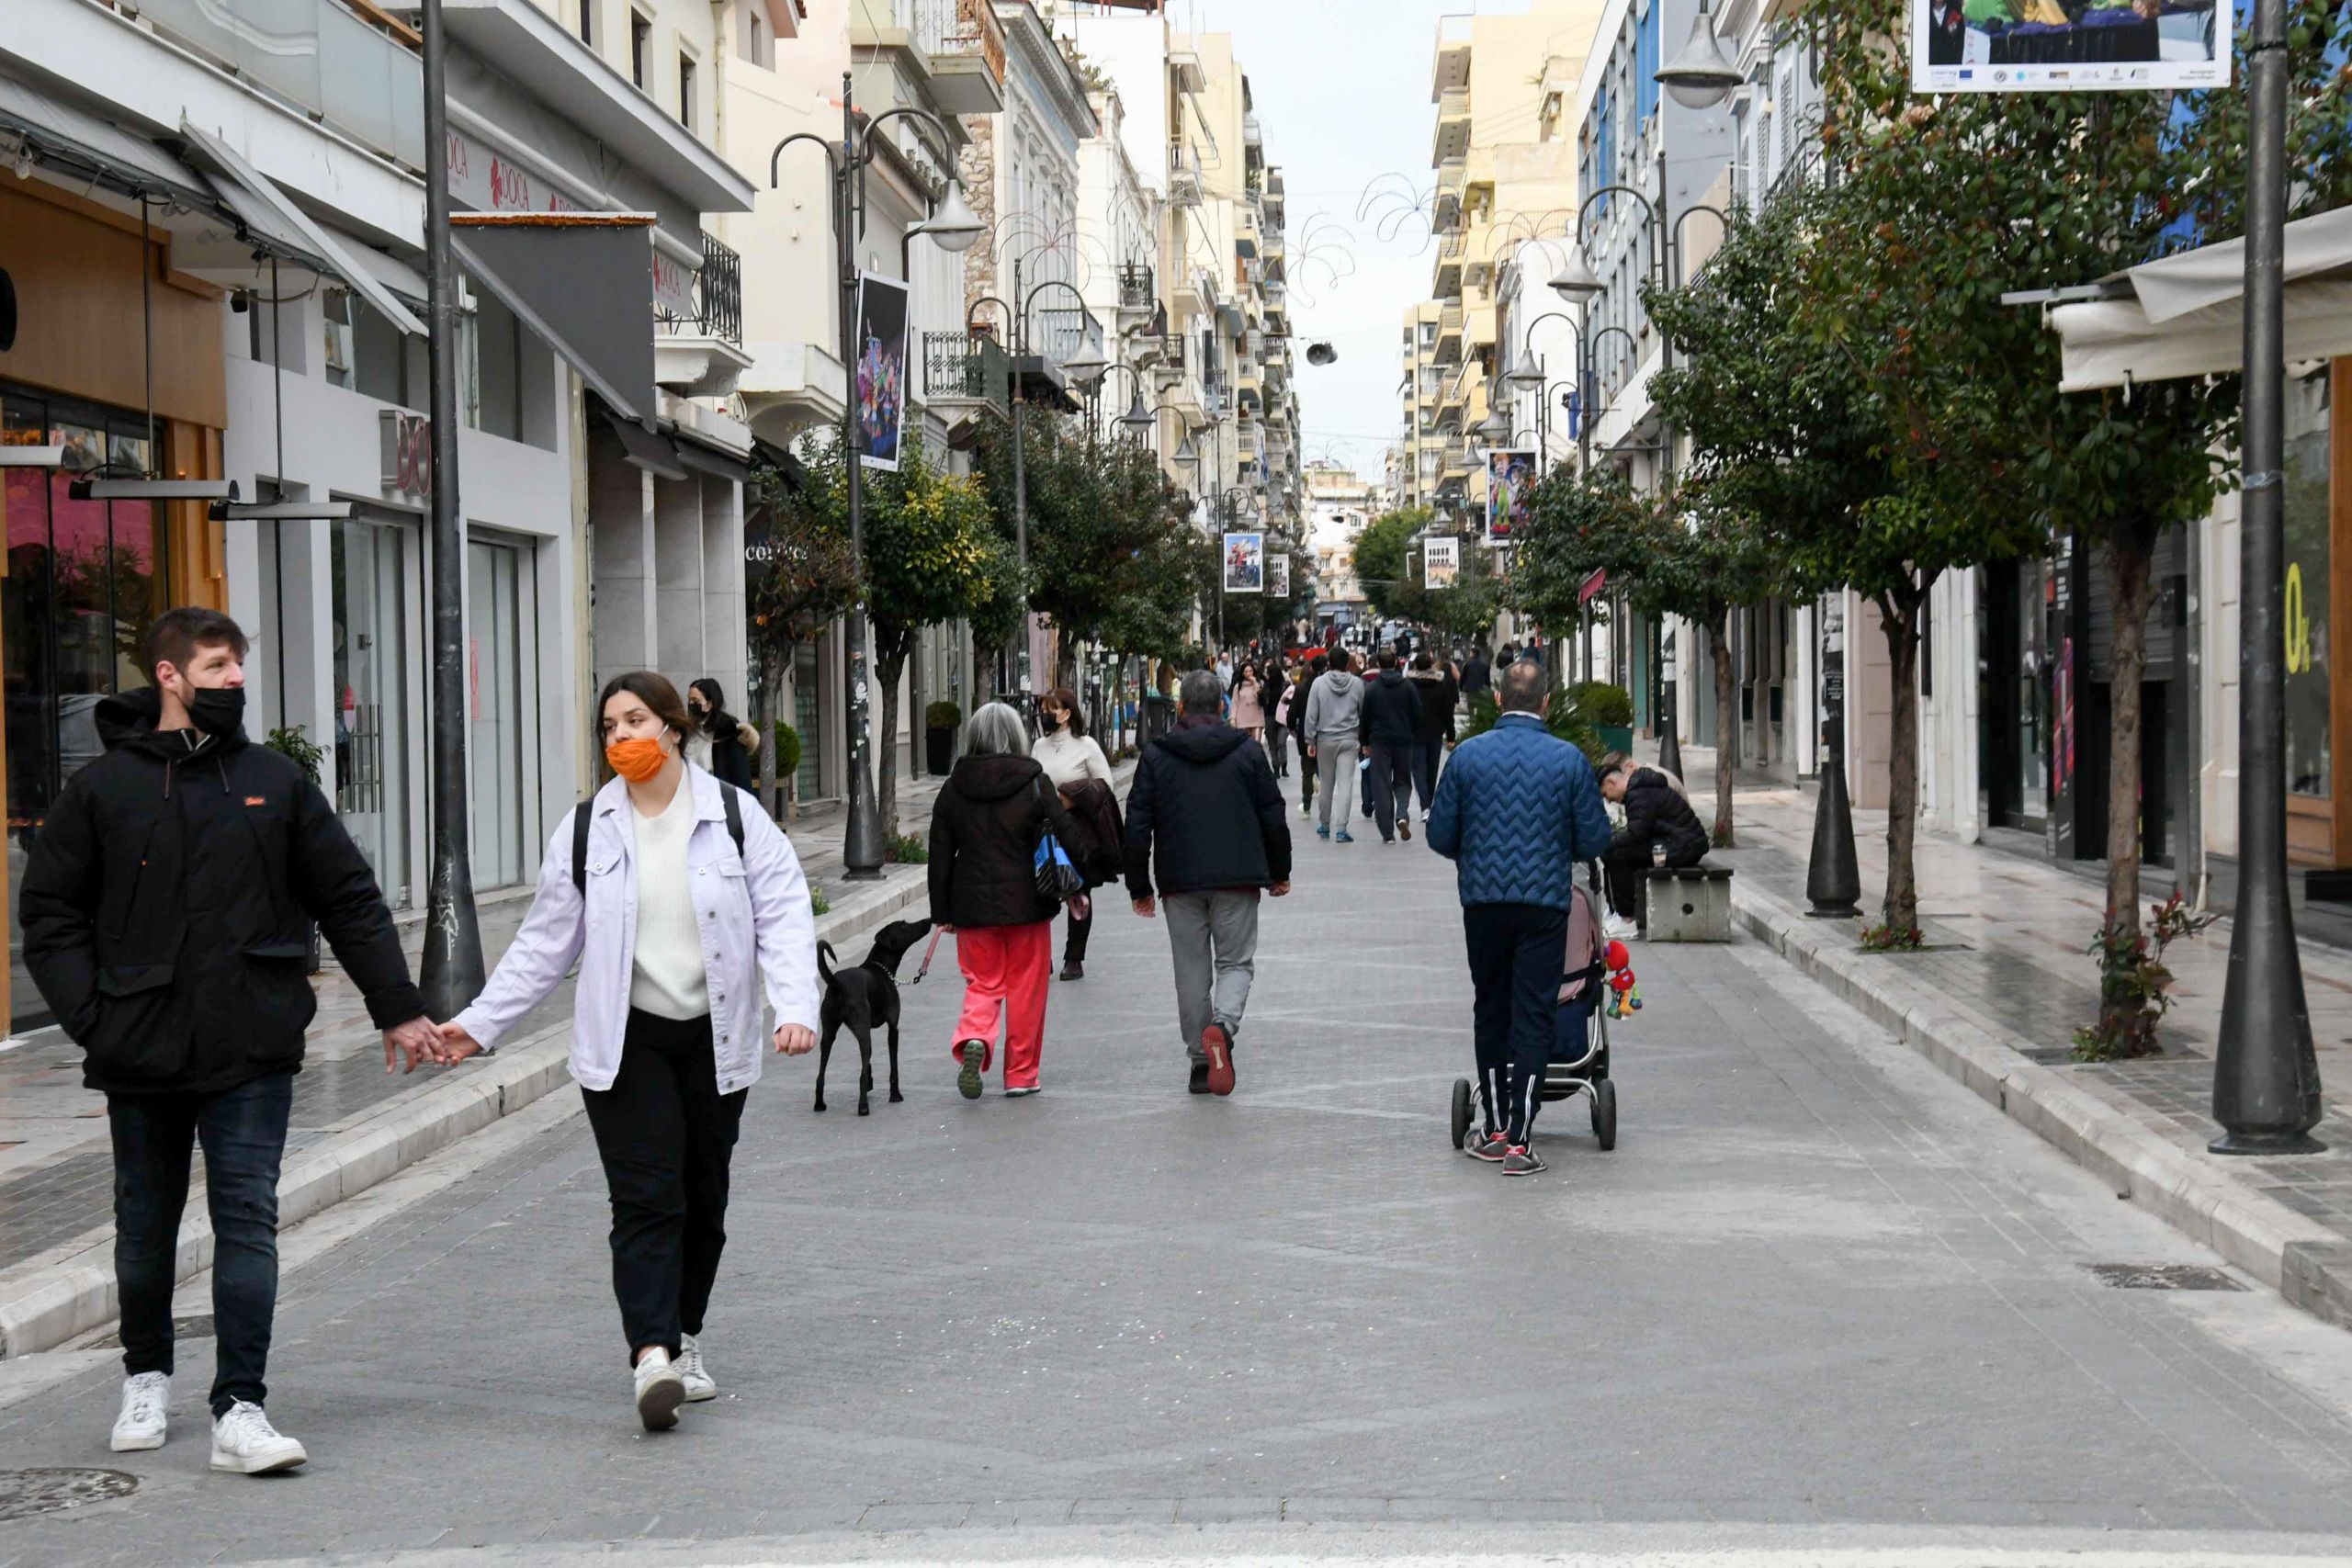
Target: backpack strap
(732,799)
(582,816)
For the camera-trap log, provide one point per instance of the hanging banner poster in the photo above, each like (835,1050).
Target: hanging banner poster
(1510,492)
(1440,562)
(1245,563)
(2044,46)
(881,369)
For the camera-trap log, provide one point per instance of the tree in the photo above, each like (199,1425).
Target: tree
(1384,564)
(803,578)
(932,554)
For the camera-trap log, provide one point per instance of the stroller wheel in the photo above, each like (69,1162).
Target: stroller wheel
(1604,1114)
(1461,1110)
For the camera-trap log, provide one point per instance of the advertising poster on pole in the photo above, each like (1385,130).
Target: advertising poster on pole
(2068,46)
(1245,563)
(881,369)
(1440,562)
(1510,492)
(1278,575)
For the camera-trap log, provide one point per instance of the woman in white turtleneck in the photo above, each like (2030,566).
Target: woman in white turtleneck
(1068,754)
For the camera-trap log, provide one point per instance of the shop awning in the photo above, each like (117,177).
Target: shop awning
(253,196)
(2184,315)
(708,460)
(657,455)
(121,158)
(583,282)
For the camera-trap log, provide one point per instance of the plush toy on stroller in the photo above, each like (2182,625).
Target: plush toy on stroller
(1579,1063)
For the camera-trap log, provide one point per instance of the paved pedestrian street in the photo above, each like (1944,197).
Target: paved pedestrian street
(1819,1297)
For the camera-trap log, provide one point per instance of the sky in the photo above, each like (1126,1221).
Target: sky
(1342,95)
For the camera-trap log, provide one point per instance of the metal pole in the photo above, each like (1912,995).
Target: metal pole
(2265,1076)
(451,973)
(862,834)
(1020,674)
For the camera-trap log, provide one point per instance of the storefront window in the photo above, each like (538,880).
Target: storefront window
(2309,770)
(85,579)
(370,762)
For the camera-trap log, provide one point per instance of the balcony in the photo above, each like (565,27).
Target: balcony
(1453,180)
(1183,176)
(953,48)
(1453,137)
(1447,277)
(1452,68)
(701,356)
(966,367)
(1137,294)
(1449,335)
(1064,330)
(362,78)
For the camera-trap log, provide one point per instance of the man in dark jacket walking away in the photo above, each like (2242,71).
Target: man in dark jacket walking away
(1476,677)
(1392,718)
(1206,816)
(1655,813)
(164,911)
(1302,681)
(1434,685)
(1517,811)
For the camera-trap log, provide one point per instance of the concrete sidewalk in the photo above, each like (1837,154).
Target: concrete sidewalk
(353,1123)
(1996,996)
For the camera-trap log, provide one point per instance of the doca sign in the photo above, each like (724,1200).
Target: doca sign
(406,440)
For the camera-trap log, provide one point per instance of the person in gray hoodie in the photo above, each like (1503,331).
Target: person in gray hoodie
(1334,714)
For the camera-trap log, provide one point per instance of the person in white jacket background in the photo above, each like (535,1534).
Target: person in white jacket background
(674,930)
(1068,754)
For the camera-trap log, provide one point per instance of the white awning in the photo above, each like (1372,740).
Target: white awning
(2184,315)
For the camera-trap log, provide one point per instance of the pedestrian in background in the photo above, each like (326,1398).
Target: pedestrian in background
(721,745)
(1517,811)
(1278,717)
(1334,720)
(1248,706)
(1207,817)
(1475,673)
(985,829)
(163,910)
(675,898)
(1310,669)
(1656,814)
(1433,731)
(1392,716)
(1069,755)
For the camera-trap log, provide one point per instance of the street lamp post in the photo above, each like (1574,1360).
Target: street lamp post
(2265,1076)
(1530,371)
(451,973)
(862,847)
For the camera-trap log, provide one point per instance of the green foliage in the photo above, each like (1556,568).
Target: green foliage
(1893,939)
(942,714)
(1388,566)
(2135,988)
(817,903)
(809,575)
(907,849)
(291,744)
(1578,524)
(787,750)
(1564,721)
(1602,702)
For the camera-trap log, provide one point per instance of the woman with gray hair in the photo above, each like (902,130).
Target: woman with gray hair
(985,827)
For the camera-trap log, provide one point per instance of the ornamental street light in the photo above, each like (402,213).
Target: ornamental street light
(1701,77)
(953,226)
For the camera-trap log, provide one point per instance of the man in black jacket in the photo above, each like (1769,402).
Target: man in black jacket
(1655,813)
(165,910)
(1392,716)
(1207,814)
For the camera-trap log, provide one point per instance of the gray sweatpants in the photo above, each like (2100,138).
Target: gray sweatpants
(1213,937)
(1335,774)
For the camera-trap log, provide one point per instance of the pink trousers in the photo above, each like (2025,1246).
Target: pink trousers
(1007,967)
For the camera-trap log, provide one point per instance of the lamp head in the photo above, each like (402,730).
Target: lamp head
(1701,77)
(1576,282)
(954,227)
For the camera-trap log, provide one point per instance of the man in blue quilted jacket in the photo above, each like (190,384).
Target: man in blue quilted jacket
(1517,811)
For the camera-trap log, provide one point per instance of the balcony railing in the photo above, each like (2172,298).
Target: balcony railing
(1063,330)
(1135,291)
(352,74)
(956,27)
(1183,176)
(718,298)
(968,366)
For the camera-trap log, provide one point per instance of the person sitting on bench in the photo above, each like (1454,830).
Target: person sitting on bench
(1655,813)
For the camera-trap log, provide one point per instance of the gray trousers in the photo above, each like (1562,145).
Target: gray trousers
(1213,937)
(1335,770)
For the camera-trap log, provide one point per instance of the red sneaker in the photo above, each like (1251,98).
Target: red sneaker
(1219,1050)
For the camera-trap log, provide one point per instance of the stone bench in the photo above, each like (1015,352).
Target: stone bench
(1689,902)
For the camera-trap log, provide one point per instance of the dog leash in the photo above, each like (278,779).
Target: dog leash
(924,967)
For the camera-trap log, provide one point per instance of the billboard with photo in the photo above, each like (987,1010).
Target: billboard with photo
(1245,563)
(1440,562)
(1510,491)
(1278,574)
(881,369)
(2068,46)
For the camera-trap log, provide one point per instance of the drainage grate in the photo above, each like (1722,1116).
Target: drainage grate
(25,1493)
(2163,1277)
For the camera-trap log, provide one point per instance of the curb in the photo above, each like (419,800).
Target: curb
(2306,1262)
(69,1289)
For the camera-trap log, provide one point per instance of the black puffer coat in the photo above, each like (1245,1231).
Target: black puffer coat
(1392,711)
(1206,814)
(166,902)
(1656,813)
(984,832)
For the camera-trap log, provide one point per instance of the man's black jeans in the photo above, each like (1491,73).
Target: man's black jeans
(1517,954)
(1427,755)
(667,1137)
(1628,866)
(243,1131)
(1389,787)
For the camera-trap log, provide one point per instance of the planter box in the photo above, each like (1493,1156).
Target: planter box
(1616,737)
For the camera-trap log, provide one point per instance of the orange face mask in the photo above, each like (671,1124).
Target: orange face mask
(636,761)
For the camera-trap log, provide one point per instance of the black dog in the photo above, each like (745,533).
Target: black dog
(862,998)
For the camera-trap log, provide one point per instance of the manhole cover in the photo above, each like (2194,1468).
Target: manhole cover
(24,1493)
(2163,1277)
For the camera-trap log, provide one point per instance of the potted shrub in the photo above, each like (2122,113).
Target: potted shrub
(297,748)
(940,722)
(787,761)
(1608,709)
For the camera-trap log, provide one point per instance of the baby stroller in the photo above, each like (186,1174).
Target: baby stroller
(1579,1063)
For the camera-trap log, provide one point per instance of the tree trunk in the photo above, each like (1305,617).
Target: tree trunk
(1899,617)
(763,720)
(890,663)
(2128,562)
(1726,727)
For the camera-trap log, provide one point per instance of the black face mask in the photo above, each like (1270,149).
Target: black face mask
(1052,721)
(218,711)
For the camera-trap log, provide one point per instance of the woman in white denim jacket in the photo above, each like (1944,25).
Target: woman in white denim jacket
(672,934)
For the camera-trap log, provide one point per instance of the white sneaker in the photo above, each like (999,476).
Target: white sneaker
(660,1392)
(1617,928)
(245,1443)
(141,1423)
(700,1384)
